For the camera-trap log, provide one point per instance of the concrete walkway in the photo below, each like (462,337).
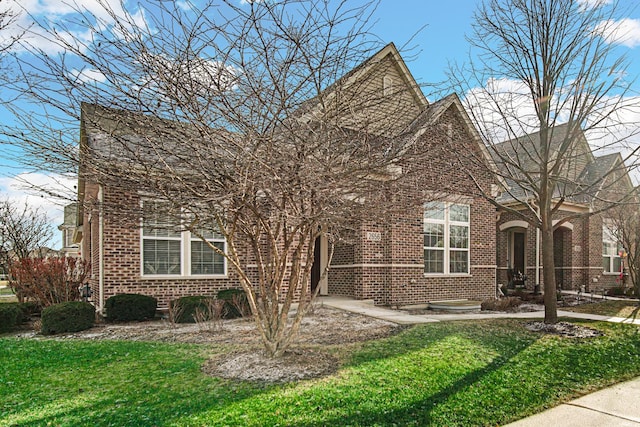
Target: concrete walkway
(616,406)
(403,317)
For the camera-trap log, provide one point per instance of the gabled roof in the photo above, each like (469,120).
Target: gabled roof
(389,51)
(518,160)
(525,150)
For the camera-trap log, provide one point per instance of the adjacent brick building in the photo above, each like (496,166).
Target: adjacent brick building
(586,252)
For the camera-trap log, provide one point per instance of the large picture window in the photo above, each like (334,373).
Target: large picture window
(446,238)
(168,250)
(610,250)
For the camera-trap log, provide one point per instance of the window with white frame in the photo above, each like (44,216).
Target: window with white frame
(446,238)
(168,250)
(610,249)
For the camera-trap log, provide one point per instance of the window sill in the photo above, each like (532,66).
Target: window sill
(433,275)
(615,273)
(178,277)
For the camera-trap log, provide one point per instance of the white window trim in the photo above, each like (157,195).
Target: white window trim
(447,248)
(185,239)
(608,237)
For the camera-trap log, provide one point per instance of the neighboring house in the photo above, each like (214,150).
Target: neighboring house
(68,229)
(441,247)
(585,251)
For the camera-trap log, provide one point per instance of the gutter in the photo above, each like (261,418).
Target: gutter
(100,249)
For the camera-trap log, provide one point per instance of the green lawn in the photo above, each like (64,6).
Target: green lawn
(625,309)
(455,373)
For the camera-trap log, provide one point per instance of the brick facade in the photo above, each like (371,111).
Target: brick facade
(577,252)
(385,259)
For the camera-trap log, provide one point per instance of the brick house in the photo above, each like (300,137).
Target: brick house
(442,246)
(586,252)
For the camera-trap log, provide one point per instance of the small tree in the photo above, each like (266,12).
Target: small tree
(626,227)
(48,281)
(24,232)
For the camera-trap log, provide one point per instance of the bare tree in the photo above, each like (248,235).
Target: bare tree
(544,73)
(626,228)
(242,120)
(24,232)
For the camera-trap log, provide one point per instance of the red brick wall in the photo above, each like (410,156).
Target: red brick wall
(386,263)
(580,251)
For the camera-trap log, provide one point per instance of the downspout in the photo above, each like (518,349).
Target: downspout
(100,250)
(538,250)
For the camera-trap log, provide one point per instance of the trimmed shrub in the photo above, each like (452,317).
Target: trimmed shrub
(184,309)
(10,316)
(130,307)
(501,304)
(236,302)
(72,316)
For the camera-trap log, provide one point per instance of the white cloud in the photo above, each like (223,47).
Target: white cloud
(593,3)
(202,75)
(625,31)
(88,76)
(61,16)
(37,190)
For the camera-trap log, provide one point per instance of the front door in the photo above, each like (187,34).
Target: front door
(320,262)
(316,268)
(517,255)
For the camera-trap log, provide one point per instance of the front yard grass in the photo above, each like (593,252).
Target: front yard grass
(453,373)
(613,308)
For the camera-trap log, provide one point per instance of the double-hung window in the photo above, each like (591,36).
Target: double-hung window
(610,250)
(168,250)
(205,260)
(446,238)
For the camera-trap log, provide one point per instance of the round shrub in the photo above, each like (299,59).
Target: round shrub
(130,307)
(184,309)
(10,316)
(71,316)
(236,303)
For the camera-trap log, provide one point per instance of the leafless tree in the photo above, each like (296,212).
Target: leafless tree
(542,72)
(240,118)
(24,232)
(626,227)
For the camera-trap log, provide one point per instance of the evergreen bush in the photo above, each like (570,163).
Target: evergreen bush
(71,316)
(10,316)
(130,307)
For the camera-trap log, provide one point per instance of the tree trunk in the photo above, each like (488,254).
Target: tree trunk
(548,269)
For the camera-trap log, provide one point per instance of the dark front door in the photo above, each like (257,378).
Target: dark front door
(518,252)
(315,268)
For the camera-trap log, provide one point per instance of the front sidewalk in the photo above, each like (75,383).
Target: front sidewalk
(402,317)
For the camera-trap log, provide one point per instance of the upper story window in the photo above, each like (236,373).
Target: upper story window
(168,250)
(387,85)
(611,261)
(446,238)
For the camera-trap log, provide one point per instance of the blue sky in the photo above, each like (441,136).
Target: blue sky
(441,27)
